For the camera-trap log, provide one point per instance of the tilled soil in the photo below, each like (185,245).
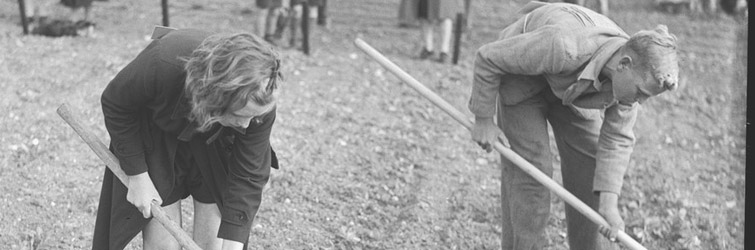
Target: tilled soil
(367,163)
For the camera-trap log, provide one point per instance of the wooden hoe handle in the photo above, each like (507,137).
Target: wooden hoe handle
(530,169)
(112,163)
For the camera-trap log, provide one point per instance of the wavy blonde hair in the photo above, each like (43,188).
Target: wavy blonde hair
(657,52)
(226,72)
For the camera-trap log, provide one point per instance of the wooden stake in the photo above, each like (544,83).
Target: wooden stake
(322,13)
(457,37)
(527,167)
(24,19)
(305,27)
(166,16)
(112,163)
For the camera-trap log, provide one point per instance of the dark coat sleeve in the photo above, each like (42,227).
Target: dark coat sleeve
(248,172)
(124,104)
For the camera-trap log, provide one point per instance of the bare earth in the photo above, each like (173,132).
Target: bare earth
(367,163)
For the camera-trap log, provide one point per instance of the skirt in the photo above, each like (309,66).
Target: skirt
(76,3)
(431,10)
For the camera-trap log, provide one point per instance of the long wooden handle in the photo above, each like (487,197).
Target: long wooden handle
(111,161)
(506,152)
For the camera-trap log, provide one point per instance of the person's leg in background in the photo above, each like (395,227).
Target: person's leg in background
(428,48)
(322,14)
(576,136)
(270,23)
(446,27)
(266,19)
(281,22)
(407,13)
(262,13)
(37,10)
(295,14)
(525,203)
(603,6)
(426,25)
(30,9)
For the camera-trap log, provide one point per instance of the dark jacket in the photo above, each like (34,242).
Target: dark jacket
(146,114)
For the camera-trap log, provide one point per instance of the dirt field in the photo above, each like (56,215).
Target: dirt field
(366,162)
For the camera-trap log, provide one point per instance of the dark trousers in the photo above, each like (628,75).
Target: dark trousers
(525,202)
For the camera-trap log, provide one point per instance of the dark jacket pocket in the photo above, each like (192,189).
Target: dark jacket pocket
(234,216)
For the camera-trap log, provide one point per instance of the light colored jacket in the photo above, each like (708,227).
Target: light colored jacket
(568,45)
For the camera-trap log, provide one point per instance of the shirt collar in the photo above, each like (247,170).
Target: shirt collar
(599,60)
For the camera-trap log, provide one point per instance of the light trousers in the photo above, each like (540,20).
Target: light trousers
(525,202)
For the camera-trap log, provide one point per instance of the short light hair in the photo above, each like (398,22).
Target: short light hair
(226,72)
(657,52)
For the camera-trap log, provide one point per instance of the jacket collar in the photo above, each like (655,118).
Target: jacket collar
(599,60)
(589,75)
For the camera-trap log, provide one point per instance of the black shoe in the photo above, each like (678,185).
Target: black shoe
(443,57)
(424,54)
